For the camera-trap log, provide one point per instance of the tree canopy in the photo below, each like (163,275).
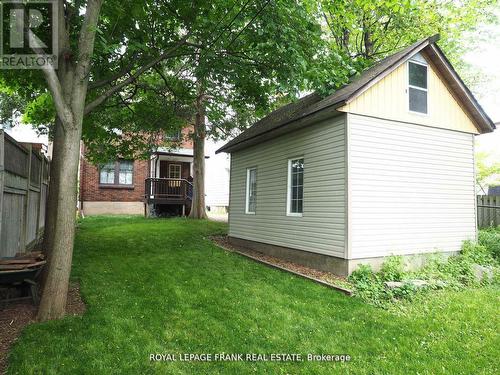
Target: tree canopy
(252,55)
(487,171)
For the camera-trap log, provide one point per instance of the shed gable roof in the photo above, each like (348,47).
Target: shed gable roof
(307,109)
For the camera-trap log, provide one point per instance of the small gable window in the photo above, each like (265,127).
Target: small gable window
(417,87)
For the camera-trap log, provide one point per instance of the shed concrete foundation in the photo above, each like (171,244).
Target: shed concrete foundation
(338,266)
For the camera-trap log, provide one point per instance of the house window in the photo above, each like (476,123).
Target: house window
(295,200)
(107,175)
(417,87)
(174,135)
(174,171)
(251,191)
(120,172)
(125,174)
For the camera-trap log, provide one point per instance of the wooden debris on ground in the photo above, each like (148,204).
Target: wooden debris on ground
(23,261)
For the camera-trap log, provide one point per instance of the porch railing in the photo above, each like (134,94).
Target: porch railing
(168,189)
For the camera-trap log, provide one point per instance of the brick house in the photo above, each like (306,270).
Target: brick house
(160,185)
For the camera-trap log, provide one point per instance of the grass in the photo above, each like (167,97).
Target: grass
(160,286)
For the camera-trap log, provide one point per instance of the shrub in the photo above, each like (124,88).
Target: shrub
(407,291)
(433,267)
(490,238)
(392,269)
(368,285)
(476,253)
(455,272)
(458,271)
(363,273)
(440,273)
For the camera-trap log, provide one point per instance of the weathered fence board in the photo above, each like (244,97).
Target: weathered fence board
(43,203)
(12,223)
(23,195)
(33,205)
(488,211)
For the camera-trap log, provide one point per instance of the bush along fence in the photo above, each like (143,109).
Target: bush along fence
(24,174)
(488,211)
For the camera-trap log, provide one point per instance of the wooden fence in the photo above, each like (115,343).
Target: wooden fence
(24,175)
(488,211)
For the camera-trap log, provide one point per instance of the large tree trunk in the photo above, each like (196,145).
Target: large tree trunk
(52,198)
(53,302)
(198,204)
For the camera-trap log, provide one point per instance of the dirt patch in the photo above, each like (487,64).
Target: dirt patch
(17,315)
(332,280)
(75,305)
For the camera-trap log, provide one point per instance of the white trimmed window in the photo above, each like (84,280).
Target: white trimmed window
(120,172)
(251,191)
(126,173)
(107,173)
(174,171)
(295,196)
(417,87)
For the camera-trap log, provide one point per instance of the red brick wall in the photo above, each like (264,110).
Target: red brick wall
(186,138)
(90,190)
(89,179)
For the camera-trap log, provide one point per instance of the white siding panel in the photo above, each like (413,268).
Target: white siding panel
(216,175)
(411,188)
(321,229)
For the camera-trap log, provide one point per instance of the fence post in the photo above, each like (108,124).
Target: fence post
(496,212)
(39,208)
(479,212)
(493,211)
(24,234)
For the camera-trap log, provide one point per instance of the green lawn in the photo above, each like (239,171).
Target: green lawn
(160,286)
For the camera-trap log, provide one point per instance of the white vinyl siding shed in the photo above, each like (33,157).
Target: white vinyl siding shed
(321,228)
(379,179)
(411,188)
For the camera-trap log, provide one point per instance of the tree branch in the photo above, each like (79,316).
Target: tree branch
(101,99)
(114,77)
(63,110)
(54,84)
(248,24)
(123,72)
(84,59)
(87,39)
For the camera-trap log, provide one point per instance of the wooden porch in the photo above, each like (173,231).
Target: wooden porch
(178,191)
